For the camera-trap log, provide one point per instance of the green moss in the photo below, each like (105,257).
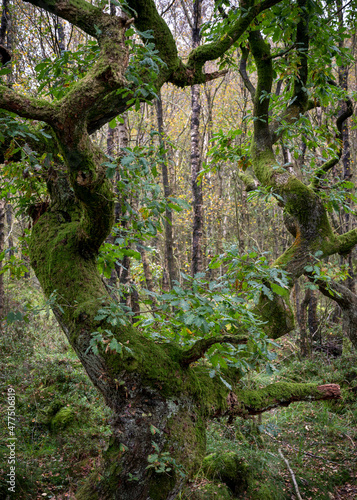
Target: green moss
(149,19)
(347,241)
(276,393)
(277,314)
(260,490)
(87,491)
(63,418)
(211,393)
(162,485)
(229,468)
(189,444)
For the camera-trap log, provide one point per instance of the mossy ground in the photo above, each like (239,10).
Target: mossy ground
(55,454)
(61,421)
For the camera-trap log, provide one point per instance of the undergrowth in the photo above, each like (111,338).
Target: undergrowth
(61,420)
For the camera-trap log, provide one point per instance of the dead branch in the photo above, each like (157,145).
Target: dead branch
(291,474)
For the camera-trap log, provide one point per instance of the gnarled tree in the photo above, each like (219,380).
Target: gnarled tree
(157,391)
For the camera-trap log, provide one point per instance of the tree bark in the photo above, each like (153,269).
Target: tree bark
(146,267)
(346,153)
(9,223)
(305,343)
(169,241)
(196,184)
(312,315)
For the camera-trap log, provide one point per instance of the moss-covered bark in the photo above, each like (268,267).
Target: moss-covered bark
(153,398)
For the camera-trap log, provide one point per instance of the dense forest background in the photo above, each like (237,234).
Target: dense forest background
(195,239)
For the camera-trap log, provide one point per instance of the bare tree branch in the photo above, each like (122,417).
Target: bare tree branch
(291,474)
(214,50)
(344,113)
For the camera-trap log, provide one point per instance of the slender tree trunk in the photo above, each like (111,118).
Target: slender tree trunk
(60,36)
(146,267)
(5,15)
(4,58)
(2,248)
(312,315)
(169,243)
(197,234)
(117,139)
(305,344)
(9,223)
(346,154)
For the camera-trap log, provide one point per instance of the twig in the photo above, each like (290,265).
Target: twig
(292,475)
(353,443)
(167,8)
(282,52)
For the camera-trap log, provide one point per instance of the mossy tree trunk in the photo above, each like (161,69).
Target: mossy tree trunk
(156,391)
(304,214)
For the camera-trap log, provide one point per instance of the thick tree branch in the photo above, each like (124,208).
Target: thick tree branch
(261,53)
(148,18)
(346,242)
(299,102)
(306,213)
(251,184)
(81,13)
(198,350)
(254,402)
(302,45)
(26,107)
(105,27)
(347,300)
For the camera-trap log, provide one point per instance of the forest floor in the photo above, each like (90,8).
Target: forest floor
(62,430)
(318,439)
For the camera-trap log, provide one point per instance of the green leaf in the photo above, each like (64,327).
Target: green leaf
(226,383)
(113,123)
(154,430)
(278,289)
(115,346)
